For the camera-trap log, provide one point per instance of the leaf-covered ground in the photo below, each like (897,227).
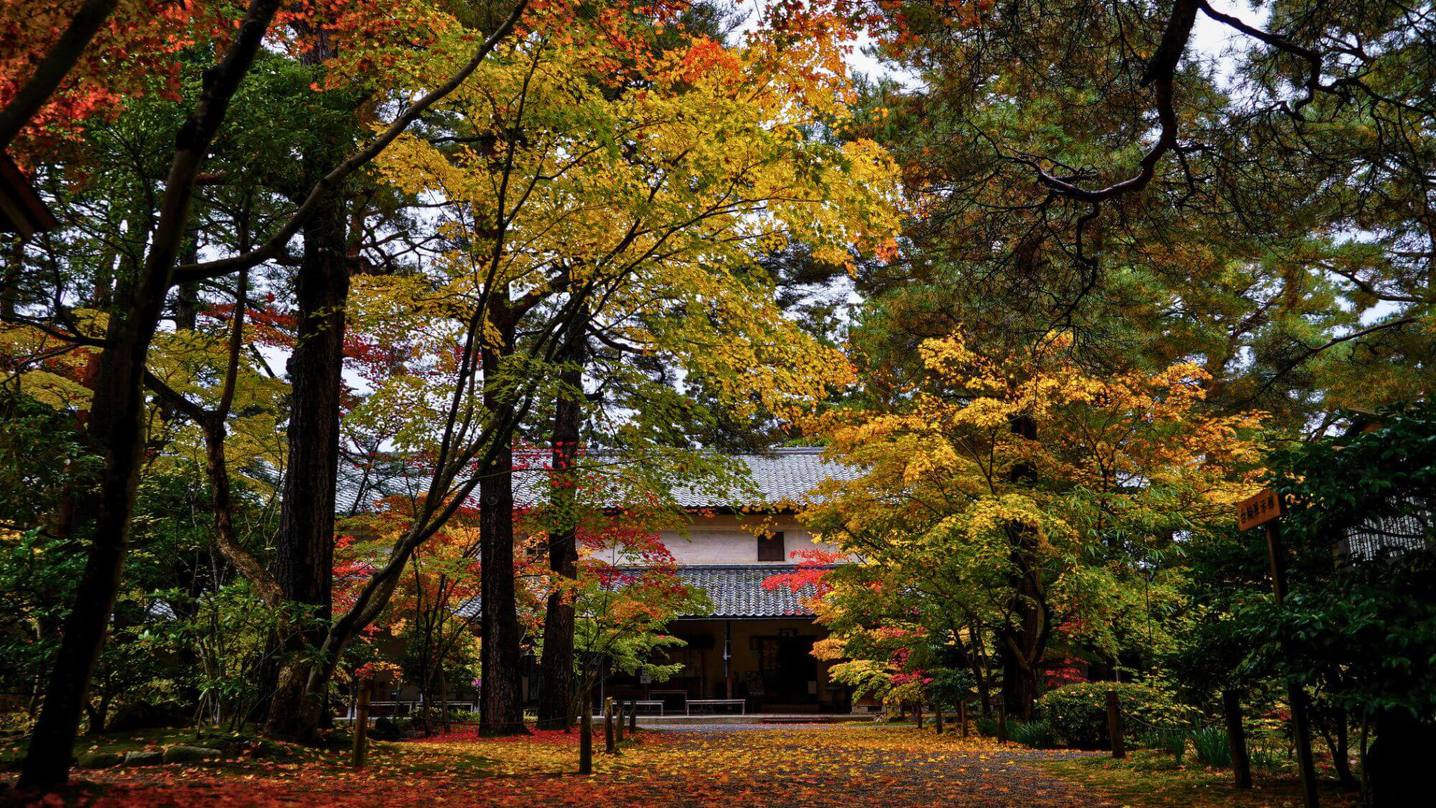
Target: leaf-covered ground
(847,765)
(1151,779)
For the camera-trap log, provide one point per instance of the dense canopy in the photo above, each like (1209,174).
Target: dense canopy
(363,345)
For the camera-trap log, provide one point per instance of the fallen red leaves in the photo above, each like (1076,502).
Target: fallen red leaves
(810,766)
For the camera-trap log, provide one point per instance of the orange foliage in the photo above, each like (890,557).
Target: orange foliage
(136,52)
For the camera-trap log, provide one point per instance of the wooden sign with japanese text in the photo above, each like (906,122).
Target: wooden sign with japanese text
(1258,510)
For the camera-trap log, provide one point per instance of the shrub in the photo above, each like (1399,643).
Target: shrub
(386,729)
(1077,713)
(1036,734)
(985,726)
(1211,746)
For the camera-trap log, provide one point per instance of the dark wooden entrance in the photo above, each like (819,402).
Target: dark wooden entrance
(788,670)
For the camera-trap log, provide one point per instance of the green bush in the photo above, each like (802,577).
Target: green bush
(1036,734)
(985,726)
(1211,746)
(1077,713)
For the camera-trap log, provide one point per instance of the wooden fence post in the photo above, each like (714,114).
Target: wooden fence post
(608,744)
(1001,721)
(633,717)
(937,716)
(618,722)
(962,716)
(361,725)
(585,735)
(1114,725)
(1237,738)
(917,713)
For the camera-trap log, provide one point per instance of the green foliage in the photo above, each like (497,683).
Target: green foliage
(37,578)
(1036,734)
(1210,744)
(1361,631)
(1077,713)
(1269,754)
(230,633)
(42,452)
(950,686)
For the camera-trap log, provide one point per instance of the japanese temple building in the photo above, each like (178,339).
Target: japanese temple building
(756,643)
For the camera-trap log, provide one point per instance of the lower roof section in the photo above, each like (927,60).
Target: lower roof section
(737,591)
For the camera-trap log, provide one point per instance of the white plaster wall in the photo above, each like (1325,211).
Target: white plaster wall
(723,539)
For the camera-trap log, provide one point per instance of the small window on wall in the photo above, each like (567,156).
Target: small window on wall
(770,548)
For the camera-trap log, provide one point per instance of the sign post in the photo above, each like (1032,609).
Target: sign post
(1264,510)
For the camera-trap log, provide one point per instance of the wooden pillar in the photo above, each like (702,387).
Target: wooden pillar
(1237,738)
(618,722)
(585,734)
(361,726)
(1114,725)
(632,716)
(444,698)
(608,743)
(917,713)
(728,658)
(1002,720)
(937,716)
(962,716)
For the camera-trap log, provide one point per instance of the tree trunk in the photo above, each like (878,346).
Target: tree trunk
(1026,632)
(1395,763)
(304,552)
(117,412)
(556,669)
(1341,753)
(1236,738)
(116,425)
(1019,684)
(609,743)
(361,725)
(443,698)
(501,708)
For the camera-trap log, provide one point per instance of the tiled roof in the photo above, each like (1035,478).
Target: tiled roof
(780,478)
(783,476)
(738,591)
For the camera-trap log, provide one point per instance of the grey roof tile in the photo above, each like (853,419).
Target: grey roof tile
(781,478)
(738,591)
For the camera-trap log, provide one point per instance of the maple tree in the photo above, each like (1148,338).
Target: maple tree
(705,164)
(994,544)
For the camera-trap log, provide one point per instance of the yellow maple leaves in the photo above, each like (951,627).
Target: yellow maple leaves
(659,197)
